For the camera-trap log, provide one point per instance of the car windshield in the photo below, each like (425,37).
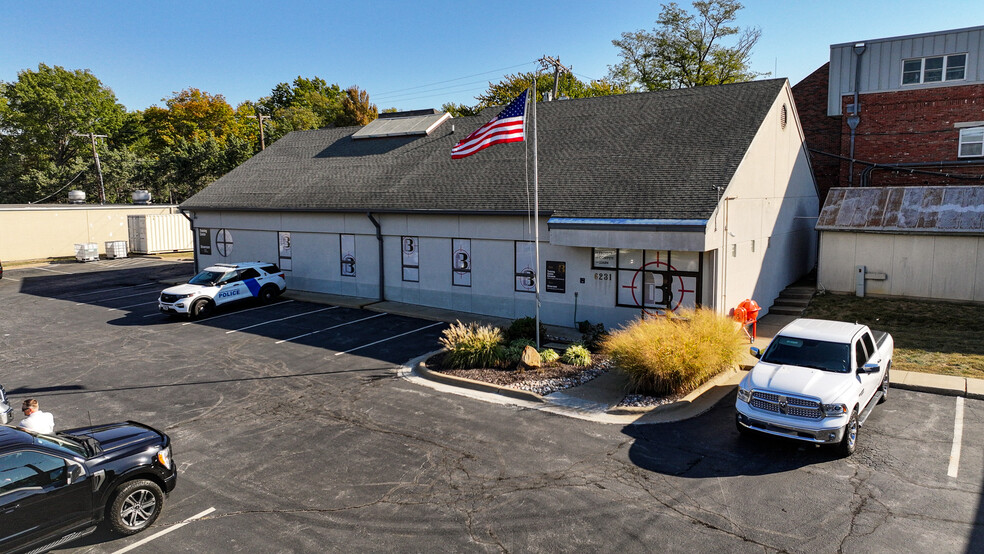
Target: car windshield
(817,354)
(207,277)
(63,442)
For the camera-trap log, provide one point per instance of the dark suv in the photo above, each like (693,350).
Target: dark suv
(57,488)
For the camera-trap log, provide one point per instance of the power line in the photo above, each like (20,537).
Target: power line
(456,79)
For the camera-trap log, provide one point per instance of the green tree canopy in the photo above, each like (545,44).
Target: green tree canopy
(568,85)
(684,49)
(40,114)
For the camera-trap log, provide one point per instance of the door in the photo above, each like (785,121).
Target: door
(231,287)
(37,499)
(869,381)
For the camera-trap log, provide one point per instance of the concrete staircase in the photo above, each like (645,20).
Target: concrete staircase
(795,298)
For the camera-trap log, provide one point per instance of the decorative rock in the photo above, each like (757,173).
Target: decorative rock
(530,358)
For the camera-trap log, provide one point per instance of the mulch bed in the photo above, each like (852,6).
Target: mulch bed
(507,377)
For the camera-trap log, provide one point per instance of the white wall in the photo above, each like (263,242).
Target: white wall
(767,214)
(918,266)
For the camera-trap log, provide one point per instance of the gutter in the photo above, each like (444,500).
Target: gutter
(382,272)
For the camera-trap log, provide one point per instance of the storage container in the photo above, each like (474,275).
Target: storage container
(87,252)
(115,249)
(151,234)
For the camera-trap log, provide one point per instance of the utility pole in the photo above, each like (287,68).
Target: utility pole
(547,61)
(259,119)
(95,155)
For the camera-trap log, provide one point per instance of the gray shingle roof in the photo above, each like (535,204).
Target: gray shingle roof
(643,155)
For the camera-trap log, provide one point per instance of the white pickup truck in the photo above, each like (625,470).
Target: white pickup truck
(817,381)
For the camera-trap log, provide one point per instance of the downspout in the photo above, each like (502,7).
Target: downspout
(855,117)
(382,272)
(194,237)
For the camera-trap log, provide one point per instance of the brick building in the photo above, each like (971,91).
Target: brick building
(916,104)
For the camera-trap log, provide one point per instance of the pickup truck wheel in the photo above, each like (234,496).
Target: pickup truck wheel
(884,387)
(201,308)
(850,440)
(135,506)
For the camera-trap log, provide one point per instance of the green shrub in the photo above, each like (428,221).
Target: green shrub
(549,355)
(472,346)
(677,353)
(592,336)
(576,355)
(524,328)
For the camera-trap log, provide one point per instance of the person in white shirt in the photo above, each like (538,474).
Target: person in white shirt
(36,420)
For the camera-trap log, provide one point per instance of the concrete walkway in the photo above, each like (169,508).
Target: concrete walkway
(598,399)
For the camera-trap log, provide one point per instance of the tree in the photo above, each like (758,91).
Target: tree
(460,110)
(305,104)
(192,115)
(40,114)
(356,108)
(511,86)
(684,49)
(187,166)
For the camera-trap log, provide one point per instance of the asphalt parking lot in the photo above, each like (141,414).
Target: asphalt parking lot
(293,431)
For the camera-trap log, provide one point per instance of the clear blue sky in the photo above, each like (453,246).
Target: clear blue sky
(405,54)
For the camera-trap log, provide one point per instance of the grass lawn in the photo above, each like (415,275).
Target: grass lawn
(944,338)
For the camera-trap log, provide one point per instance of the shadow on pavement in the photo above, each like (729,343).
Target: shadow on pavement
(710,446)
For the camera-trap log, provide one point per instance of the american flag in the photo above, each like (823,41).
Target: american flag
(505,127)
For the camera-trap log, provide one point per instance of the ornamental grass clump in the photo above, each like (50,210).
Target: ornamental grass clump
(677,353)
(577,356)
(472,346)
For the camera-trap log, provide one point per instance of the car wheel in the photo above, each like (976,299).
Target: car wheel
(268,293)
(135,506)
(201,308)
(850,440)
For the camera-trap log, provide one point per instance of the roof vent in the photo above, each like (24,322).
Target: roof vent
(141,196)
(76,197)
(400,124)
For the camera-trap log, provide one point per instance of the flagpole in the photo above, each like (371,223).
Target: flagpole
(536,221)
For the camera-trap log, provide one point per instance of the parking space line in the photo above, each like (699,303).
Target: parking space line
(132,306)
(163,532)
(104,291)
(242,311)
(281,319)
(330,328)
(117,297)
(390,338)
(957,438)
(51,270)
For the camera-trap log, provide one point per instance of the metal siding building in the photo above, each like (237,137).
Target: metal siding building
(881,62)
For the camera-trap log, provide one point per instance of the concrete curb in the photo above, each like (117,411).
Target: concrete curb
(720,384)
(949,385)
(421,371)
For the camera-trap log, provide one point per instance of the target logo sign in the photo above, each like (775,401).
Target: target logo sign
(657,285)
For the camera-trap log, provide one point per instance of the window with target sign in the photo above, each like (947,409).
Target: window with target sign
(658,279)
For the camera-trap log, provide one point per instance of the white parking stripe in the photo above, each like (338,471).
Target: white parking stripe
(957,438)
(116,297)
(132,306)
(163,532)
(390,338)
(104,291)
(51,270)
(242,311)
(330,328)
(281,319)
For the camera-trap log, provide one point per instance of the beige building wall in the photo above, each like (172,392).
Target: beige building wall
(31,232)
(920,266)
(764,222)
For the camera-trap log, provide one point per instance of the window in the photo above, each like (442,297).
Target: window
(27,469)
(971,142)
(346,254)
(658,279)
(934,70)
(249,273)
(860,355)
(461,262)
(411,259)
(524,264)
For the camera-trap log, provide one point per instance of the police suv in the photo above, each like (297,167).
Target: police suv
(223,283)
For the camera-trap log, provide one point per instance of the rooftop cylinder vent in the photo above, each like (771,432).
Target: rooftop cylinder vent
(141,196)
(76,197)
